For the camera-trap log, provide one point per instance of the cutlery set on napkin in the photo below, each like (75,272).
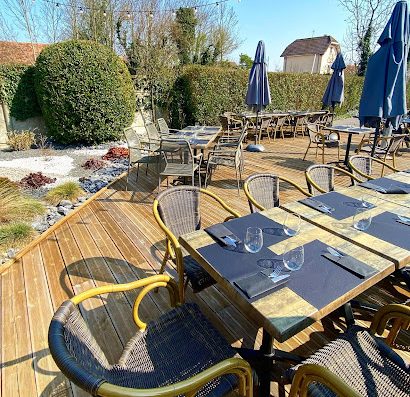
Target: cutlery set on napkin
(389,190)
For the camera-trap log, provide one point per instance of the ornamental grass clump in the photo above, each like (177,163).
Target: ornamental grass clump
(15,205)
(66,191)
(21,140)
(85,92)
(15,234)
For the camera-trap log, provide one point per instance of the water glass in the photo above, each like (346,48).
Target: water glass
(292,224)
(253,239)
(362,219)
(365,201)
(294,256)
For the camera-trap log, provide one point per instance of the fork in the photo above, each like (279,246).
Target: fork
(276,272)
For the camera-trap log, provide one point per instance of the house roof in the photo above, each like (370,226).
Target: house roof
(20,53)
(309,46)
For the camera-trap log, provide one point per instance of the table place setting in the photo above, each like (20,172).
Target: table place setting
(337,205)
(387,186)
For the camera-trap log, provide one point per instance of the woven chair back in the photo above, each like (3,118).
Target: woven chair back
(321,175)
(134,145)
(264,188)
(179,208)
(313,129)
(163,126)
(152,132)
(363,164)
(395,143)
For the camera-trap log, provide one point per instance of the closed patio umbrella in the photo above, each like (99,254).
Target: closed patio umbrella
(335,88)
(384,90)
(258,94)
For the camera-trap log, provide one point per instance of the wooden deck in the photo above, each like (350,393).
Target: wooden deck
(115,239)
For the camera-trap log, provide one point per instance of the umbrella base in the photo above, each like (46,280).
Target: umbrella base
(255,148)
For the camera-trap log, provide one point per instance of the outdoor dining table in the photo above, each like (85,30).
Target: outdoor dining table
(350,130)
(320,287)
(387,236)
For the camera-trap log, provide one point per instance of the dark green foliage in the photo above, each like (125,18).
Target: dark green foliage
(17,89)
(365,51)
(85,92)
(202,93)
(184,33)
(245,61)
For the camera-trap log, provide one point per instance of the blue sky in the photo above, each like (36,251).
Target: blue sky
(279,22)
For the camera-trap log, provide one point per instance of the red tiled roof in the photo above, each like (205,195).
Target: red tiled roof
(312,45)
(20,53)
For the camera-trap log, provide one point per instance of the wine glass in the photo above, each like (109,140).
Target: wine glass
(362,219)
(365,201)
(253,239)
(294,256)
(292,224)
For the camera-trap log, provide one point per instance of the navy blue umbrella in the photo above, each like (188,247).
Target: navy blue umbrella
(335,88)
(258,94)
(384,90)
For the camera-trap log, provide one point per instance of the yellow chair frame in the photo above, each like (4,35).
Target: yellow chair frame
(310,181)
(261,207)
(173,248)
(309,373)
(188,387)
(383,163)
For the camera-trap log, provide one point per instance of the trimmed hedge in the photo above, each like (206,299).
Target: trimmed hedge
(17,90)
(85,92)
(202,93)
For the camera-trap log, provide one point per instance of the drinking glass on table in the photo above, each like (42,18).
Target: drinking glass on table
(362,219)
(293,256)
(253,239)
(291,225)
(368,201)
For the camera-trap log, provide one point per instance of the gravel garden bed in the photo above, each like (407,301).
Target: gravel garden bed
(89,167)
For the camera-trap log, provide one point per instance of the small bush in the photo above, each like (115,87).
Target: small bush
(116,153)
(65,191)
(34,180)
(93,164)
(85,92)
(21,140)
(16,206)
(15,234)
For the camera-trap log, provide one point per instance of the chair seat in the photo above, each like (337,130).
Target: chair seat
(175,169)
(365,363)
(222,160)
(177,346)
(197,275)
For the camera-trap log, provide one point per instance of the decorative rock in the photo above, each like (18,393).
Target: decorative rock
(40,226)
(11,253)
(81,199)
(66,203)
(63,210)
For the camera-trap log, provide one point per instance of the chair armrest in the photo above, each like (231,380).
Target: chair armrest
(297,186)
(189,387)
(147,284)
(222,153)
(309,373)
(397,312)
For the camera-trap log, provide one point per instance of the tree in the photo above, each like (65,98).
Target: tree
(245,61)
(184,34)
(366,19)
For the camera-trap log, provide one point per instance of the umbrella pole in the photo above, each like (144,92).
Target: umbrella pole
(376,137)
(256,129)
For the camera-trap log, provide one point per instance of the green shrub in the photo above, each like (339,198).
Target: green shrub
(21,140)
(85,92)
(201,93)
(17,90)
(15,234)
(65,191)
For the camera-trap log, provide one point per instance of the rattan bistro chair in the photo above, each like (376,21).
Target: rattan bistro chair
(362,166)
(320,178)
(178,211)
(262,191)
(321,140)
(358,363)
(137,154)
(180,353)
